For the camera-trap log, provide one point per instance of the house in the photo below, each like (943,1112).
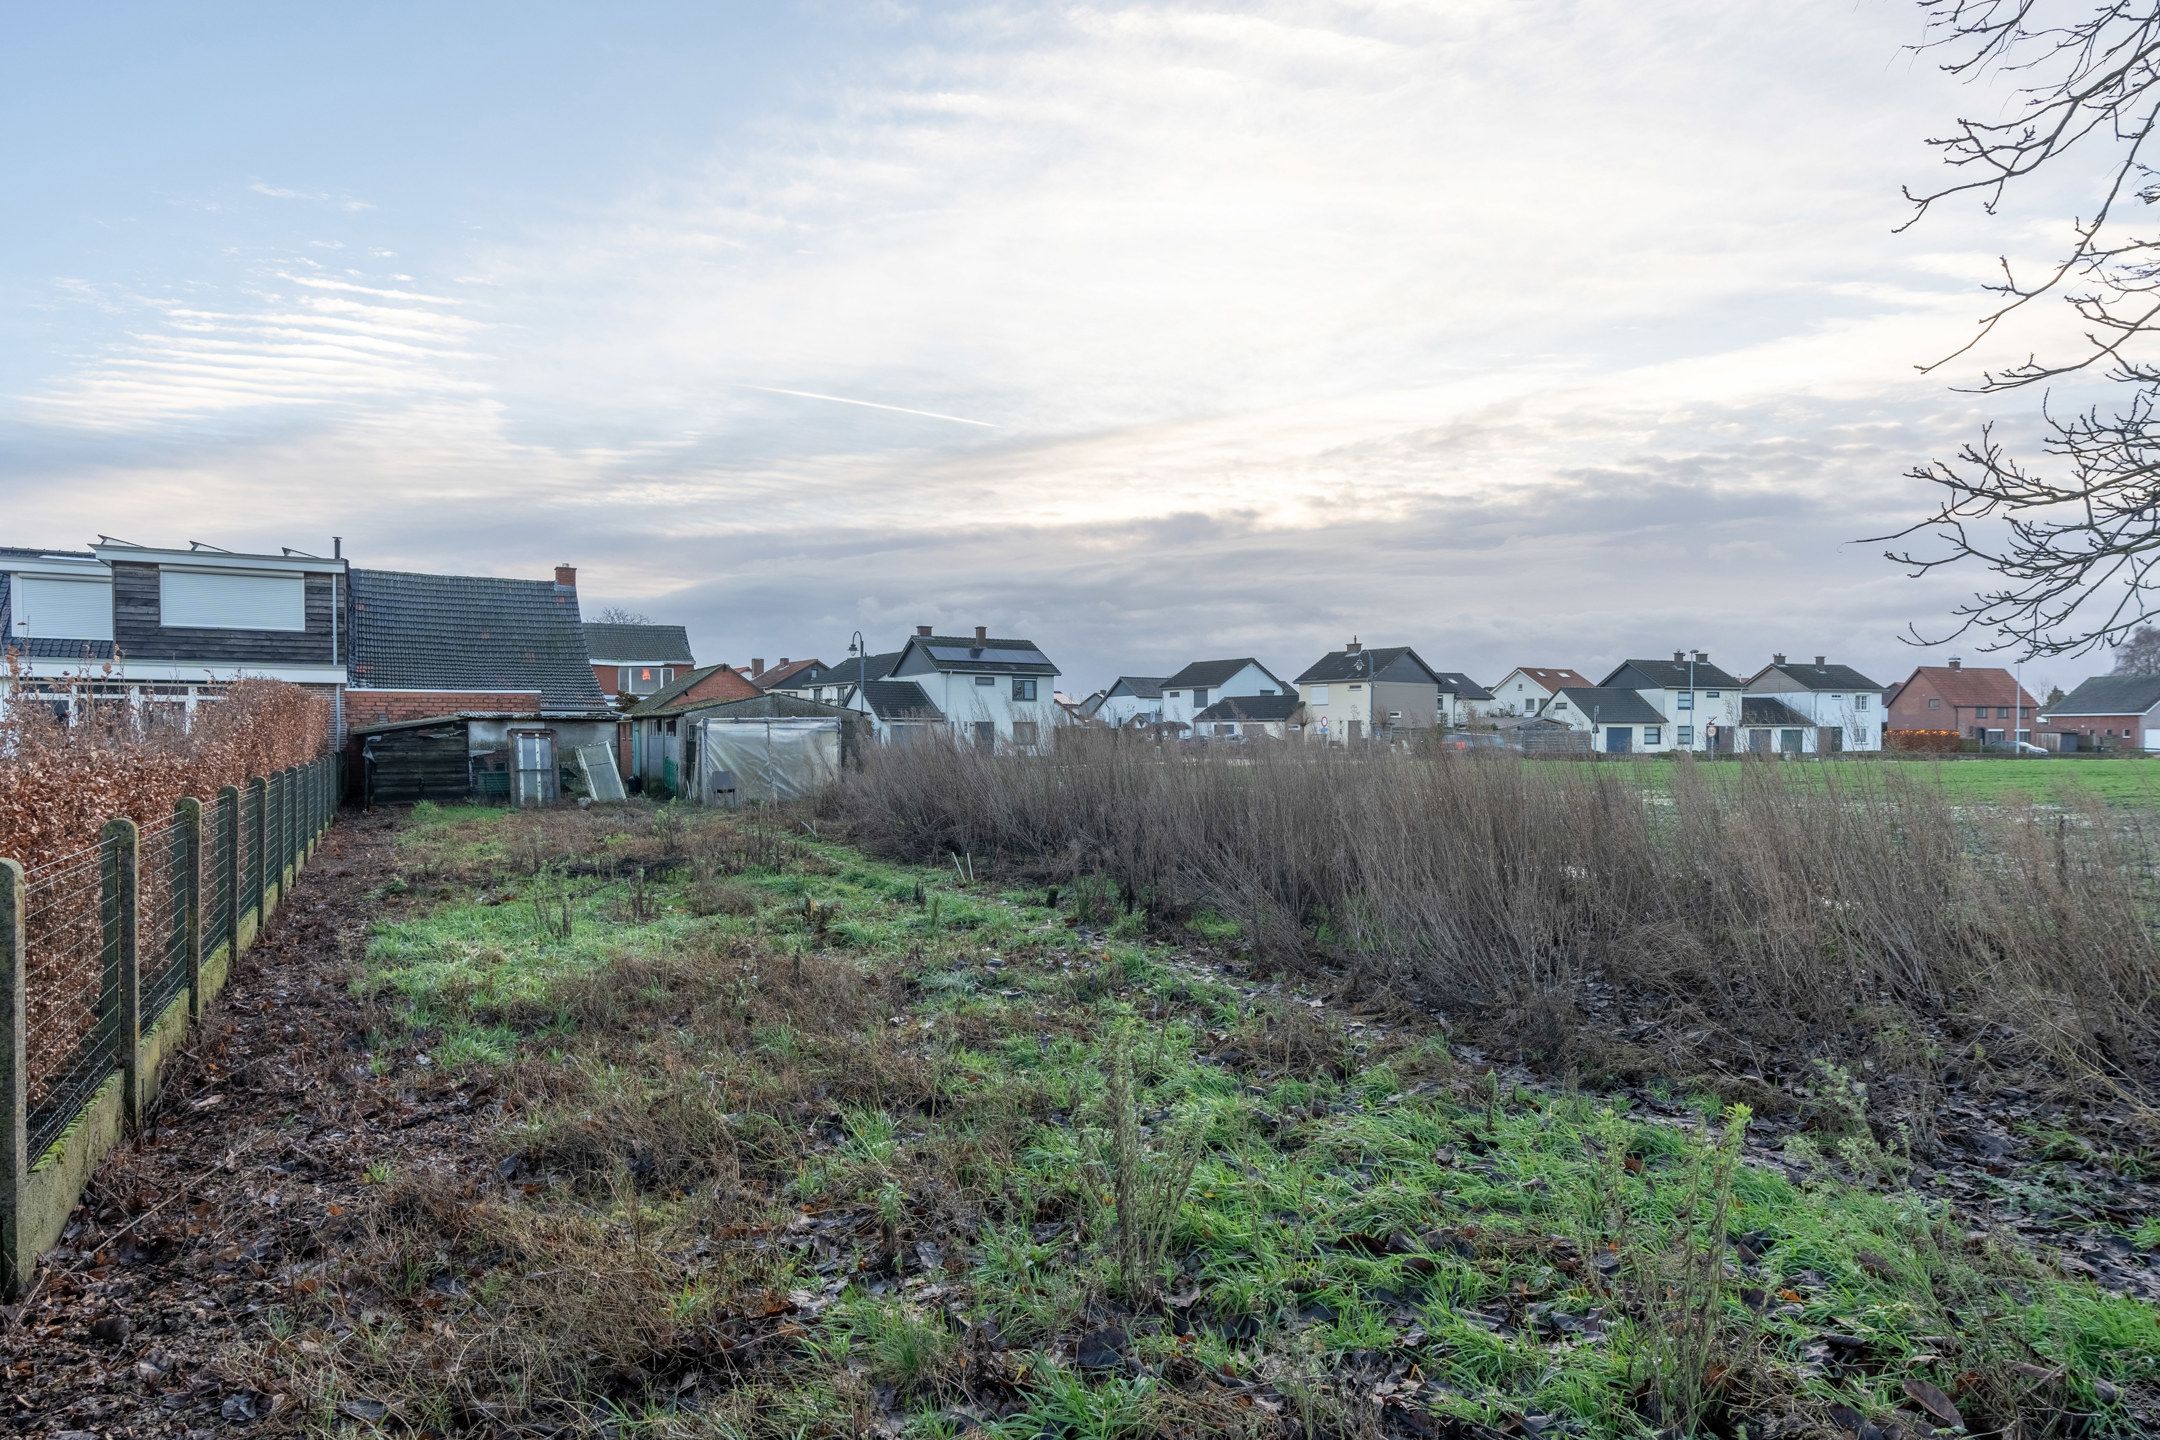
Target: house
(1354,692)
(1461,698)
(828,683)
(1618,720)
(1839,709)
(2107,712)
(1768,724)
(898,710)
(173,626)
(694,687)
(636,660)
(778,676)
(1974,702)
(505,658)
(1701,701)
(1249,717)
(1131,700)
(1525,689)
(992,692)
(1203,682)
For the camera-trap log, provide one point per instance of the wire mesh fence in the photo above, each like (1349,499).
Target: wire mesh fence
(113,935)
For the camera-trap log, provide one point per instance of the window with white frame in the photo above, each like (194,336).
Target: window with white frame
(1859,702)
(227,600)
(1316,694)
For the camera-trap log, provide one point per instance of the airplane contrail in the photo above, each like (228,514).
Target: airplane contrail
(871,405)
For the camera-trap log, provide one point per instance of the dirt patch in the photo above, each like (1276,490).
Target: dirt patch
(259,1149)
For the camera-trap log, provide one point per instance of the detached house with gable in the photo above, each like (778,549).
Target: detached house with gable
(1814,708)
(1699,702)
(992,692)
(633,661)
(1204,682)
(1526,689)
(1356,693)
(1980,703)
(1130,700)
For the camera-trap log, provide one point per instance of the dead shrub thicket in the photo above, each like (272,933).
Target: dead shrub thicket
(1799,909)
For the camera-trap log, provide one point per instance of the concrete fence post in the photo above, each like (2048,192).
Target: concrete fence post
(258,867)
(229,846)
(123,971)
(191,880)
(15,1259)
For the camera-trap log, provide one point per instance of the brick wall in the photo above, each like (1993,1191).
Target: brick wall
(382,707)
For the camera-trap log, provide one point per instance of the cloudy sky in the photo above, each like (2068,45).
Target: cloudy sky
(1520,333)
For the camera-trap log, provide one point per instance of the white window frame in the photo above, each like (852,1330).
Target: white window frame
(291,587)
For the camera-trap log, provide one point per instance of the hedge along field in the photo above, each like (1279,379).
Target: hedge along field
(1744,919)
(59,783)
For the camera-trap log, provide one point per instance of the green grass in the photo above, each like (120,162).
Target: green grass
(932,1078)
(2131,782)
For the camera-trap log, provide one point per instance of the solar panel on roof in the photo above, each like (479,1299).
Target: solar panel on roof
(1011,655)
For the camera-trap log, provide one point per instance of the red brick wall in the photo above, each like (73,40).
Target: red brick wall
(720,685)
(382,707)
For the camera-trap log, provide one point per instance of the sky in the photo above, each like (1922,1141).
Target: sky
(1522,334)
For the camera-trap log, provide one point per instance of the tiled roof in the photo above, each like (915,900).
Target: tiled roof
(668,695)
(1769,710)
(1669,675)
(1360,664)
(1461,686)
(1965,685)
(1555,677)
(1207,673)
(2111,695)
(471,632)
(1251,707)
(1605,705)
(772,677)
(1140,687)
(967,654)
(1819,677)
(855,667)
(900,700)
(659,644)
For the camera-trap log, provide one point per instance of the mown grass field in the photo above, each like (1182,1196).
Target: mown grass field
(2044,779)
(790,1142)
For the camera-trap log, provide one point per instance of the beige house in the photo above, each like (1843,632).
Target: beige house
(1357,694)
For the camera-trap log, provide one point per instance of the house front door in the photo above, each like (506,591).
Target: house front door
(986,734)
(1833,739)
(1789,741)
(1355,731)
(1619,739)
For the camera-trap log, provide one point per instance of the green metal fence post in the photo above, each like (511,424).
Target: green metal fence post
(15,1259)
(191,880)
(258,860)
(229,846)
(123,973)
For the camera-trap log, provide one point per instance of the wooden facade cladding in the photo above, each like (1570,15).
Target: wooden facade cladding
(139,634)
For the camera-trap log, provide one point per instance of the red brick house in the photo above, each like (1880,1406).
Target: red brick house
(637,660)
(2107,712)
(713,682)
(1975,701)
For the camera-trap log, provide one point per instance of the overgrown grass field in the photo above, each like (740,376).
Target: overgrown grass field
(789,1141)
(2128,783)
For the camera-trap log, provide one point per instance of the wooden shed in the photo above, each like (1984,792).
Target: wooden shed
(414,760)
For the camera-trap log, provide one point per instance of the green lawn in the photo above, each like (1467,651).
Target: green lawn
(795,1142)
(2044,779)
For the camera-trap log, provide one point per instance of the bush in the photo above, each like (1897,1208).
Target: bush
(1771,915)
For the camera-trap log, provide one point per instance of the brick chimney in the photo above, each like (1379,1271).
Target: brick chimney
(1956,664)
(1777,659)
(566,576)
(982,633)
(1678,656)
(1702,657)
(924,631)
(757,666)
(1818,659)
(783,663)
(1352,648)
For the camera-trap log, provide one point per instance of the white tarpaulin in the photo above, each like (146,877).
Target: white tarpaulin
(754,759)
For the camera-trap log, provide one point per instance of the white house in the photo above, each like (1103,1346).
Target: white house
(1619,721)
(898,709)
(1526,689)
(1132,700)
(992,692)
(1203,682)
(1834,709)
(1461,698)
(1249,717)
(1701,702)
(1359,693)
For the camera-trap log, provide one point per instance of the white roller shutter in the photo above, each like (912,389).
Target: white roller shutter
(44,608)
(213,600)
